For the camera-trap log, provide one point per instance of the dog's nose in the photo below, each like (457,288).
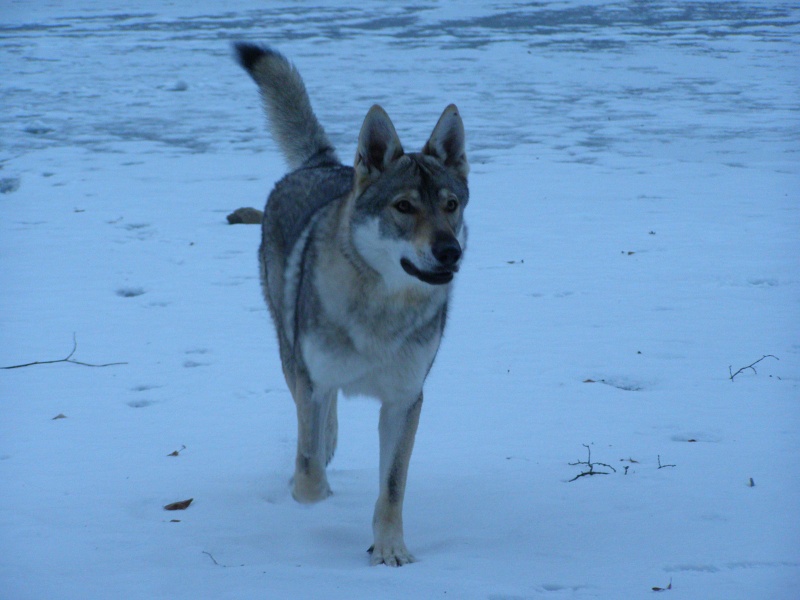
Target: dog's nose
(446,250)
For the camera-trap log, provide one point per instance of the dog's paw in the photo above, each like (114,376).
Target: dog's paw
(308,490)
(391,555)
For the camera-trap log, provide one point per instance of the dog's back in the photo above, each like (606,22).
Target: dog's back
(299,195)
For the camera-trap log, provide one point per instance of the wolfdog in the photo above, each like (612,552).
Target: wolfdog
(356,268)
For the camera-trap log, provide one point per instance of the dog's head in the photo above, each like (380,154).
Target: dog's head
(408,213)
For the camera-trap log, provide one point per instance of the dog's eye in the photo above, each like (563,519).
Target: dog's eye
(404,206)
(451,206)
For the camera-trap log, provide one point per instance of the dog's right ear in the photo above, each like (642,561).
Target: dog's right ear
(378,146)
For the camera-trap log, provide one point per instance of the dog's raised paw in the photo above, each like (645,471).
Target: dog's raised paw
(390,555)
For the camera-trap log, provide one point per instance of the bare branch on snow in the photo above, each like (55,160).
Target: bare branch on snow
(750,366)
(588,462)
(68,359)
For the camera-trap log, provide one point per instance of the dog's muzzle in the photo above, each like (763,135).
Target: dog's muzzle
(447,251)
(438,277)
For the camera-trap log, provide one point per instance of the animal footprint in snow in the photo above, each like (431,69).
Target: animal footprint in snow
(130,292)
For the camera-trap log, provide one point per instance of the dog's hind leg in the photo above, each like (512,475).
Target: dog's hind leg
(310,483)
(331,431)
(397,427)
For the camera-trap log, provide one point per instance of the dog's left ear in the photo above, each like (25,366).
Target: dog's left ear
(447,142)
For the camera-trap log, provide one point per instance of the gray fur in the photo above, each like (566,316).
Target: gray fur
(291,118)
(356,268)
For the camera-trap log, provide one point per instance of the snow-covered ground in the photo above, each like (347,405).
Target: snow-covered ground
(635,231)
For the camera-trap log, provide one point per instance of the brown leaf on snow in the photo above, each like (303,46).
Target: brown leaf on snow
(182,505)
(589,381)
(664,589)
(177,452)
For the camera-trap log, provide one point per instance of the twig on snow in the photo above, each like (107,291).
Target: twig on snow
(68,359)
(660,466)
(219,564)
(588,462)
(750,366)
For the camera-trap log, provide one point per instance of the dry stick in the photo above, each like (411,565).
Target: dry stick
(660,466)
(591,465)
(750,366)
(68,359)
(219,564)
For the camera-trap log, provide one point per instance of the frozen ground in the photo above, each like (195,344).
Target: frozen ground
(634,222)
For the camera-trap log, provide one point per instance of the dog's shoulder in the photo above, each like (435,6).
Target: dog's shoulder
(297,197)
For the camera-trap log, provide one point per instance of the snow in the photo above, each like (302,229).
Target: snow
(633,222)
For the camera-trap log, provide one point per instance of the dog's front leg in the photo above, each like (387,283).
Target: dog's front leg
(397,427)
(310,483)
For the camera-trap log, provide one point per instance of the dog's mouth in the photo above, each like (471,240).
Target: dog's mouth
(438,277)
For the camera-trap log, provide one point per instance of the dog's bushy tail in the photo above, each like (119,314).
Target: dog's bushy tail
(292,121)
